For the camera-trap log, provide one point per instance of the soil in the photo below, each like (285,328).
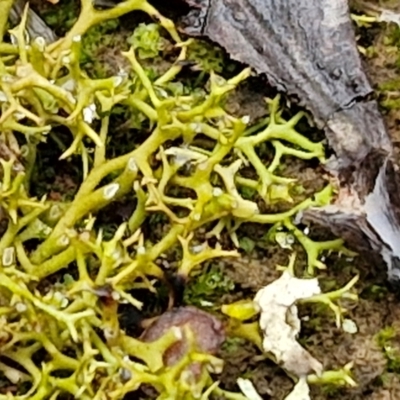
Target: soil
(378,309)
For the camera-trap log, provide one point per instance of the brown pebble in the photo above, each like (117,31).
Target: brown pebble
(208,331)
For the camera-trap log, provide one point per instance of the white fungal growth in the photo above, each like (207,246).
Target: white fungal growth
(196,127)
(41,43)
(45,230)
(110,191)
(196,216)
(115,295)
(77,38)
(141,250)
(21,307)
(69,85)
(217,192)
(8,256)
(116,254)
(109,333)
(89,113)
(246,119)
(58,296)
(66,60)
(198,248)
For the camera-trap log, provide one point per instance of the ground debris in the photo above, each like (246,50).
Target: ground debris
(300,392)
(280,323)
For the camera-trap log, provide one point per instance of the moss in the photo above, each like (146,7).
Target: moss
(147,41)
(395,36)
(389,340)
(207,56)
(208,287)
(98,38)
(247,244)
(391,104)
(233,344)
(61,16)
(392,85)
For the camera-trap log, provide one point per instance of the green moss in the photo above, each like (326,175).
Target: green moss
(395,36)
(97,57)
(391,104)
(147,41)
(247,244)
(208,287)
(248,193)
(392,85)
(62,16)
(389,340)
(207,56)
(375,292)
(233,344)
(332,391)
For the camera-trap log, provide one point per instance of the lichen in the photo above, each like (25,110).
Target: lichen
(63,276)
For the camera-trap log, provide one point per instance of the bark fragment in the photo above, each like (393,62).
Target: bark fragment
(281,325)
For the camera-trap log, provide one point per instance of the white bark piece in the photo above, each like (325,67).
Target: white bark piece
(248,389)
(281,325)
(389,16)
(300,392)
